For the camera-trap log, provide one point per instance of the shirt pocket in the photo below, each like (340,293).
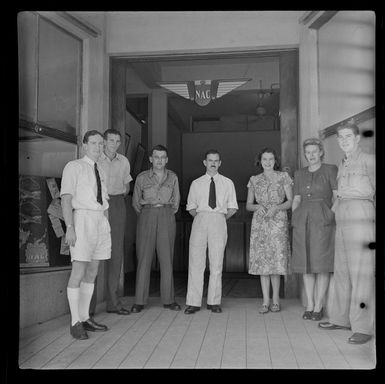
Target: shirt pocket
(358,180)
(86,189)
(167,190)
(149,191)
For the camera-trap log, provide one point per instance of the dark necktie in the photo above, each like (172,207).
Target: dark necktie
(212,195)
(99,185)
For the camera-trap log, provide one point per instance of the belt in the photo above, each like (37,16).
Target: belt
(353,198)
(155,205)
(120,194)
(313,200)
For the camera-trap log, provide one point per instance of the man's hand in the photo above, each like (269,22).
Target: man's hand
(193,212)
(70,238)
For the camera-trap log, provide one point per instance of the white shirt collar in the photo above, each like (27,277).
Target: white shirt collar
(88,160)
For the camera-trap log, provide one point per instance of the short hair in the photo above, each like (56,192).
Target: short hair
(349,125)
(111,131)
(93,132)
(314,141)
(258,158)
(159,147)
(212,152)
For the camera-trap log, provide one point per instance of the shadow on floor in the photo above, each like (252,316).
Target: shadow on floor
(233,285)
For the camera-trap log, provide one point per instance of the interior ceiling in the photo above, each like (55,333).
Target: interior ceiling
(261,90)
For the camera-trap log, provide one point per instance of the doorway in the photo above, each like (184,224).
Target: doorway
(276,126)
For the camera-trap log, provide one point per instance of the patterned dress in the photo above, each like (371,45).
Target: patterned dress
(269,236)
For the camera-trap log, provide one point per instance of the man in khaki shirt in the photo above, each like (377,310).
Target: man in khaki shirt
(156,200)
(352,297)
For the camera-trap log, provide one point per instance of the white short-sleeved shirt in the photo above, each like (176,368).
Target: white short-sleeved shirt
(117,171)
(79,181)
(198,196)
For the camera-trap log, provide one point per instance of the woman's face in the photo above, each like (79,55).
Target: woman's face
(267,161)
(313,154)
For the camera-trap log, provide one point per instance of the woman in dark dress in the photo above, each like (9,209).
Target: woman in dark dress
(315,188)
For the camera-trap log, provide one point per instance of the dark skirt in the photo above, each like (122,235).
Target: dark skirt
(313,237)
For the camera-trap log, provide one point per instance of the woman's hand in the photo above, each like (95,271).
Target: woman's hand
(260,209)
(271,211)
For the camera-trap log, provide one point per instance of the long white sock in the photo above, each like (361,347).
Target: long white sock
(73,300)
(86,290)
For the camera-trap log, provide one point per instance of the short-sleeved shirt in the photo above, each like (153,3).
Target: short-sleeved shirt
(149,189)
(79,181)
(198,196)
(319,184)
(356,176)
(118,173)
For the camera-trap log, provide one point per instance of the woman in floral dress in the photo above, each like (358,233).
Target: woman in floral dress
(269,196)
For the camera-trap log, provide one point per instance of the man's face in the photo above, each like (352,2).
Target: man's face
(94,147)
(212,163)
(112,143)
(158,159)
(347,140)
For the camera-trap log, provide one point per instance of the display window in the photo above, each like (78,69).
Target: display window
(50,68)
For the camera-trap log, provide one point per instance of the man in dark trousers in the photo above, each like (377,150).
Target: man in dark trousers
(156,200)
(117,169)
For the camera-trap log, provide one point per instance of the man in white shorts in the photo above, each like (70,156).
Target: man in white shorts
(84,202)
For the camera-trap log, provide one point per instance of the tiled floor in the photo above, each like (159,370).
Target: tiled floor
(237,338)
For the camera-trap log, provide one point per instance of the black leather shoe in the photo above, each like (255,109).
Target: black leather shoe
(92,326)
(191,309)
(173,306)
(78,332)
(214,308)
(136,308)
(121,311)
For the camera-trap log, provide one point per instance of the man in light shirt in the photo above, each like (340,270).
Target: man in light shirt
(211,201)
(352,297)
(84,203)
(117,169)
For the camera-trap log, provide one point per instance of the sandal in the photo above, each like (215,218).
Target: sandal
(317,316)
(263,308)
(307,315)
(275,308)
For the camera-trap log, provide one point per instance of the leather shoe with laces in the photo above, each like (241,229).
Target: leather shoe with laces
(92,326)
(214,308)
(173,306)
(191,309)
(78,332)
(120,311)
(359,338)
(136,308)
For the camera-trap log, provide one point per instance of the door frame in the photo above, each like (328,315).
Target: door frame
(289,119)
